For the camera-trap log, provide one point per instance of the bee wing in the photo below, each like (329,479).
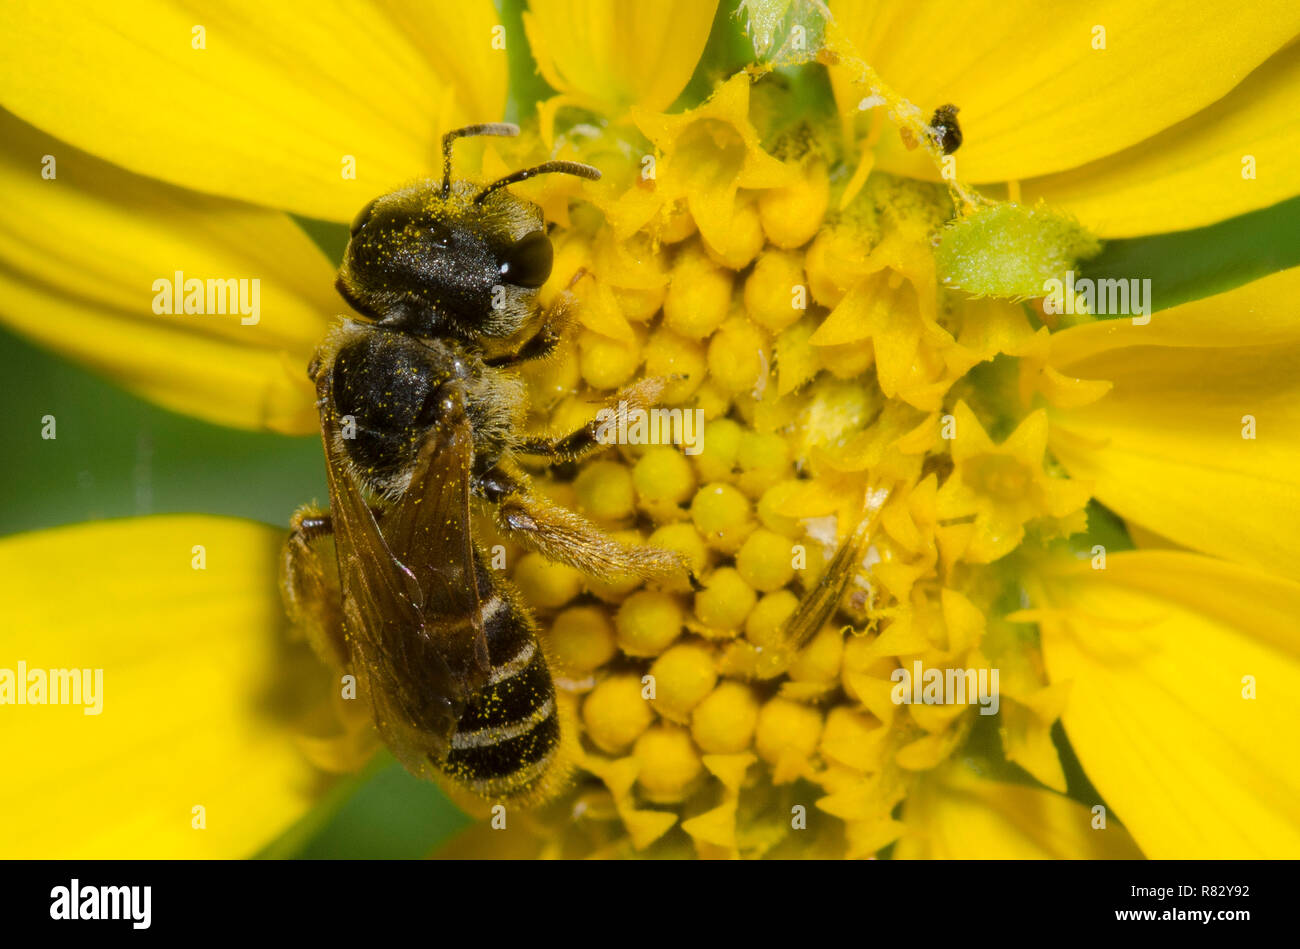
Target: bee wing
(428,531)
(416,696)
(819,603)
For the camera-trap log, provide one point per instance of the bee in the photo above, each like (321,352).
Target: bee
(946,131)
(421,416)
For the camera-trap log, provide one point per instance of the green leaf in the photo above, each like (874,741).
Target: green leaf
(1189,265)
(330,236)
(383,813)
(526,85)
(1106,528)
(116,455)
(726,51)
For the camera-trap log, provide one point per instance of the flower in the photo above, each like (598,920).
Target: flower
(785,261)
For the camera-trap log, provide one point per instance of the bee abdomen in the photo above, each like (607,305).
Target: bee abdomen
(508,735)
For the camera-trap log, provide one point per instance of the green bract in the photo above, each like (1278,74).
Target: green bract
(1009,250)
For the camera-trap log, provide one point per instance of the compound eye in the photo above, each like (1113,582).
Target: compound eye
(362,216)
(527,262)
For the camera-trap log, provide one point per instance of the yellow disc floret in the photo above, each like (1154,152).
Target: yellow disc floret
(544,583)
(682,362)
(685,540)
(663,479)
(744,239)
(668,763)
(723,515)
(582,639)
(699,295)
(615,713)
(608,363)
(766,560)
(819,661)
(786,727)
(793,214)
(738,356)
(724,722)
(648,621)
(724,603)
(605,492)
(765,625)
(764,459)
(684,675)
(775,294)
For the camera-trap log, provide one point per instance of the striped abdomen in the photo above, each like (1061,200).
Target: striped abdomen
(509,733)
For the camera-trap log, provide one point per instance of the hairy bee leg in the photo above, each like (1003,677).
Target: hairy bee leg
(310,589)
(314,602)
(556,320)
(314,523)
(308,585)
(586,440)
(566,537)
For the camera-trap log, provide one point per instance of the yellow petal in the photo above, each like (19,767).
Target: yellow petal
(969,437)
(1027,739)
(608,56)
(716,827)
(991,326)
(710,152)
(189,660)
(1165,447)
(1028,442)
(1259,313)
(1194,173)
(273,105)
(1035,96)
(78,262)
(645,825)
(1157,648)
(959,816)
(861,312)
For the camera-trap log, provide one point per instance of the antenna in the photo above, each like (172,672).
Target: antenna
(488,128)
(546,168)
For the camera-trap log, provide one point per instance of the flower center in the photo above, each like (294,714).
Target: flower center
(999,477)
(844,508)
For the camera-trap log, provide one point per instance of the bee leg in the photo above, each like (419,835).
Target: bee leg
(586,440)
(309,585)
(555,321)
(561,535)
(539,346)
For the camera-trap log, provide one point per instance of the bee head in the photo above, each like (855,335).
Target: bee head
(443,258)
